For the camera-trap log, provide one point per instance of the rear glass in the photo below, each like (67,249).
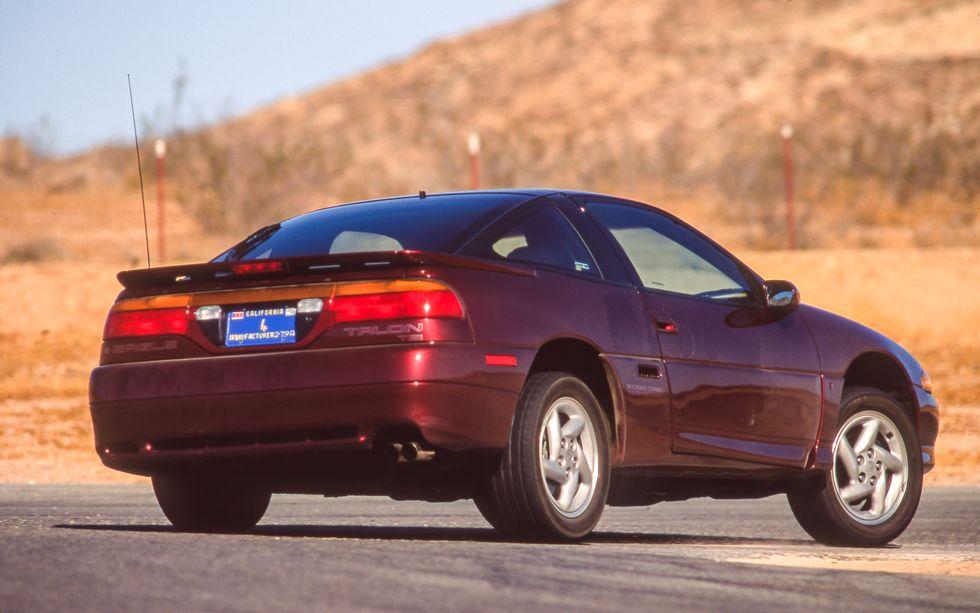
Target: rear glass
(436,223)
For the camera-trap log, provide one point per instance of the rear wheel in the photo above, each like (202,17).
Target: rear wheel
(211,503)
(553,477)
(869,496)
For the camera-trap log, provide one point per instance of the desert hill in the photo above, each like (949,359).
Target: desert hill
(652,99)
(674,101)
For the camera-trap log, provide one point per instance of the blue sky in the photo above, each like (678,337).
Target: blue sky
(68,60)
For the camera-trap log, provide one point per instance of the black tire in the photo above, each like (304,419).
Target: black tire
(516,500)
(486,504)
(210,503)
(816,505)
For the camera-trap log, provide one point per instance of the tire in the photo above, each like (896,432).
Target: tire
(520,500)
(210,504)
(486,504)
(895,479)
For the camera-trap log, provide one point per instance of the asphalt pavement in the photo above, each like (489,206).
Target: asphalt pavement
(109,548)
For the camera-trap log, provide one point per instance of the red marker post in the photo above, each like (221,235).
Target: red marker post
(473,144)
(787,135)
(160,149)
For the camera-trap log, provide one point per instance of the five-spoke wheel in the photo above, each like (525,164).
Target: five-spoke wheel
(872,491)
(568,455)
(870,467)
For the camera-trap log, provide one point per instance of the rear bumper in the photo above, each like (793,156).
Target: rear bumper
(149,415)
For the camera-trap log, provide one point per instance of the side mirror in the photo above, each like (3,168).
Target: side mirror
(781,295)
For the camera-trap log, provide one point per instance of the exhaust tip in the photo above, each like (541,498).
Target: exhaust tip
(410,451)
(414,452)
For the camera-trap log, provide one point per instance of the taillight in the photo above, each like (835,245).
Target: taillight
(153,322)
(441,303)
(327,303)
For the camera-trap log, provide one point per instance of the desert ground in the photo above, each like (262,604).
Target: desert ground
(52,313)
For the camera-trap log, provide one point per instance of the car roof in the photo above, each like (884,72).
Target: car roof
(529,192)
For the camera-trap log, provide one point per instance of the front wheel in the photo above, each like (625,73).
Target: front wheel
(872,491)
(553,477)
(196,503)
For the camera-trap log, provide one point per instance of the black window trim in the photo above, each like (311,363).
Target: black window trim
(756,282)
(564,203)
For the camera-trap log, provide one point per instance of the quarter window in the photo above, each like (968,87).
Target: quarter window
(544,237)
(669,257)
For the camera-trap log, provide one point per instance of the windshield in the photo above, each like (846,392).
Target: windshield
(436,223)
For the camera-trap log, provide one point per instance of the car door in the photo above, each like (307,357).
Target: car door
(744,380)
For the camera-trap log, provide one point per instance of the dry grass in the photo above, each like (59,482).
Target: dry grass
(925,299)
(51,315)
(101,223)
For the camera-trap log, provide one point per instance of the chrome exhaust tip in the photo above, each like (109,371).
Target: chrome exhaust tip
(407,452)
(413,452)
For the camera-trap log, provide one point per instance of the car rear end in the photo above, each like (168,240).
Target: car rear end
(254,359)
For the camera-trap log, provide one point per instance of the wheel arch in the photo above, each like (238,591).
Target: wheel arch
(581,358)
(881,371)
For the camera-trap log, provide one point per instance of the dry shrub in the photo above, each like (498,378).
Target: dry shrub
(241,186)
(40,249)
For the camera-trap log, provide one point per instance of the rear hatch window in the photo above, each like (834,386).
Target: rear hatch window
(439,223)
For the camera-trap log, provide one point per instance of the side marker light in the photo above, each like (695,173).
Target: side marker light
(501,360)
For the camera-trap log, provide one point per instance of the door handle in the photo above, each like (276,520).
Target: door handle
(665,326)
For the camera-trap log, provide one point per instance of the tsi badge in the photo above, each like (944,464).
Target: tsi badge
(403,332)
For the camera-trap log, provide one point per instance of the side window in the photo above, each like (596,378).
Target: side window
(544,237)
(669,257)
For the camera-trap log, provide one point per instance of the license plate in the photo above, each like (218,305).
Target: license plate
(261,326)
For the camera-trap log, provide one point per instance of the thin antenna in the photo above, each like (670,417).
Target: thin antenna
(139,167)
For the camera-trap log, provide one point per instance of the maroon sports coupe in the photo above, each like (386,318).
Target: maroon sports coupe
(544,353)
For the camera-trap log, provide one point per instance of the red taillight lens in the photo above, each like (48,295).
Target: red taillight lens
(396,305)
(257,267)
(154,322)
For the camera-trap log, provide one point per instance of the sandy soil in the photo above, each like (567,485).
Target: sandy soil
(51,317)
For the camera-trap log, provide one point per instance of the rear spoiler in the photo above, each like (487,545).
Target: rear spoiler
(230,272)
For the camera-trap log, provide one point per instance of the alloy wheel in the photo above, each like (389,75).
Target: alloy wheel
(569,457)
(871,468)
